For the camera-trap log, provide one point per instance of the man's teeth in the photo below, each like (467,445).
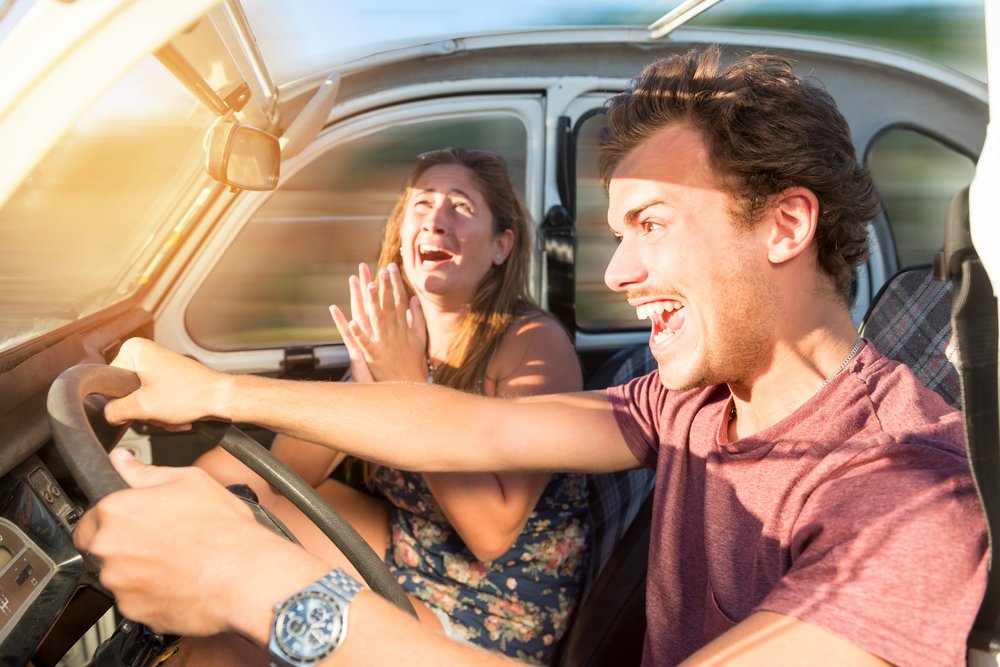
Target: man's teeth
(648,310)
(662,336)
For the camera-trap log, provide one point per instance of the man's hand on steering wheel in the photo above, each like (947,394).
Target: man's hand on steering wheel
(166,573)
(177,390)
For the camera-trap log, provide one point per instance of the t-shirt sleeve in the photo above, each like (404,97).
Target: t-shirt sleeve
(884,543)
(637,407)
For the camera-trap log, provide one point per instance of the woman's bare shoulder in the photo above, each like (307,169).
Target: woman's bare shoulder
(536,350)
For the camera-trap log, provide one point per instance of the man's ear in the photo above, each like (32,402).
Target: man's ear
(793,224)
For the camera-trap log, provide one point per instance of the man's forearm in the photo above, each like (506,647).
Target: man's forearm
(377,632)
(432,429)
(406,425)
(380,634)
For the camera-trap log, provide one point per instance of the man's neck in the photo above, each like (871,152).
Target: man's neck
(801,366)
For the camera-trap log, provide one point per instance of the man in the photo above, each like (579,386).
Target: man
(813,504)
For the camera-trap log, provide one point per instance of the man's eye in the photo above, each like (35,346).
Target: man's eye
(650,226)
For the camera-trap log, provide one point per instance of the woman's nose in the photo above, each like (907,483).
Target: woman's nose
(437,220)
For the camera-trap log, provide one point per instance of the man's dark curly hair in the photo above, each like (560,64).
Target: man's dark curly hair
(766,129)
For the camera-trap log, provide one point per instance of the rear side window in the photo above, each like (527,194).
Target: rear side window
(597,307)
(273,286)
(917,177)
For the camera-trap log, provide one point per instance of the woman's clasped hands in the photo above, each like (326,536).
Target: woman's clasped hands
(386,337)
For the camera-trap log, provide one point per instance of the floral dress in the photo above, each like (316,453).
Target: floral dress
(518,604)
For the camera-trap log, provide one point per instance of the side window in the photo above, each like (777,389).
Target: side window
(597,307)
(917,176)
(274,284)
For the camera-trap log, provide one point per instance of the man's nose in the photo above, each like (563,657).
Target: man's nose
(625,269)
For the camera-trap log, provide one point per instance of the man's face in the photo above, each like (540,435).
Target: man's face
(701,281)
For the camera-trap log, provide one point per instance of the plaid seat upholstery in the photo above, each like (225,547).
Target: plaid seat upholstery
(909,320)
(615,498)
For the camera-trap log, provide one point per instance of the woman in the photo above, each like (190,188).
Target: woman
(495,559)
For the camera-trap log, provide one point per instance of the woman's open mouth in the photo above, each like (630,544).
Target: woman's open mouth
(430,255)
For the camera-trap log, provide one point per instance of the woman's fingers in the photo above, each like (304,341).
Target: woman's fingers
(358,286)
(416,321)
(399,296)
(376,315)
(360,371)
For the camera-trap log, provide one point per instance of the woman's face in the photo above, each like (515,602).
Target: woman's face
(447,237)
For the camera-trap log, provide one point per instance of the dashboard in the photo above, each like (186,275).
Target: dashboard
(49,591)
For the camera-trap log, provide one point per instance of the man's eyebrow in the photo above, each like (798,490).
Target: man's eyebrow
(634,213)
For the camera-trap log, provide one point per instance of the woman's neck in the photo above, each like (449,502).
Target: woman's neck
(442,327)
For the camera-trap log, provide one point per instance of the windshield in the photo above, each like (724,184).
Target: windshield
(304,38)
(81,230)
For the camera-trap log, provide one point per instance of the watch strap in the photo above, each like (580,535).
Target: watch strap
(341,583)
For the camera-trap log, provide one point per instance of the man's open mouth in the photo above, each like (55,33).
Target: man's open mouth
(667,318)
(431,254)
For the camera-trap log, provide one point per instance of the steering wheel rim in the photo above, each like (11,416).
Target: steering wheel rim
(90,467)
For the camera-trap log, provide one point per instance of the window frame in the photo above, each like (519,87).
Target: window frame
(170,322)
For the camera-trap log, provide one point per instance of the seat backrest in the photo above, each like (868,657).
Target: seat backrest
(909,320)
(616,498)
(610,624)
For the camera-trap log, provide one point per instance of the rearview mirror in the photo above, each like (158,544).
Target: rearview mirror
(243,157)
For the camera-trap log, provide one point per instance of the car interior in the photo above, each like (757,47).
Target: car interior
(232,201)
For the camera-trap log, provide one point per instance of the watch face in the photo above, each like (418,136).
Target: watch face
(309,625)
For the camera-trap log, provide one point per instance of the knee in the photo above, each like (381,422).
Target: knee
(226,469)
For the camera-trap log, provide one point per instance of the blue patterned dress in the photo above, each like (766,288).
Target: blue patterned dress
(518,604)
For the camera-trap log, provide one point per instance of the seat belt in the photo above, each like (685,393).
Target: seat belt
(974,320)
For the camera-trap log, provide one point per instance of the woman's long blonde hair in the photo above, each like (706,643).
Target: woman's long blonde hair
(503,295)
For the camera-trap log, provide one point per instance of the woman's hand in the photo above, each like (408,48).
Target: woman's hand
(386,338)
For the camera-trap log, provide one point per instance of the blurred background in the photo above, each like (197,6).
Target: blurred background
(299,37)
(91,223)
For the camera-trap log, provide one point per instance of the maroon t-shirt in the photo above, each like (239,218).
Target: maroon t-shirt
(855,513)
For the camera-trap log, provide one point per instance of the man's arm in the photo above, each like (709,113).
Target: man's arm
(185,556)
(406,425)
(767,639)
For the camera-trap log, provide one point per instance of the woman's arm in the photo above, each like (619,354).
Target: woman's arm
(312,462)
(489,510)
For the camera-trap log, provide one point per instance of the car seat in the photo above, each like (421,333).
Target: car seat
(948,336)
(909,320)
(610,624)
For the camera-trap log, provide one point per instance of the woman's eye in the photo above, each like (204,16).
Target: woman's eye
(463,206)
(422,203)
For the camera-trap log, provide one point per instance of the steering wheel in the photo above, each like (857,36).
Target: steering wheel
(88,463)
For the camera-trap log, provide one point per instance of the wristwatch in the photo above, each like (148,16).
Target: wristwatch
(311,624)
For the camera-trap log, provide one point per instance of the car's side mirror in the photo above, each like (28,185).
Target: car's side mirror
(243,157)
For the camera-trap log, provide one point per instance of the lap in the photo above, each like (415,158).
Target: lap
(366,513)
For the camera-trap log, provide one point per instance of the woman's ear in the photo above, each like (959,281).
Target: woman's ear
(503,244)
(793,224)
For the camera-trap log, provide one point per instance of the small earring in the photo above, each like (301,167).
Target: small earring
(497,257)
